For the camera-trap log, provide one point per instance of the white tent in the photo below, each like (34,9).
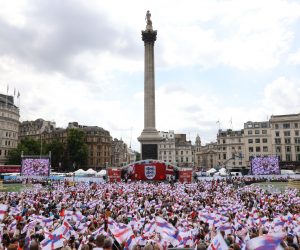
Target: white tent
(211,171)
(90,172)
(102,172)
(223,170)
(80,172)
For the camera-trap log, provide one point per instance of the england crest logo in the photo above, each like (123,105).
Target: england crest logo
(150,172)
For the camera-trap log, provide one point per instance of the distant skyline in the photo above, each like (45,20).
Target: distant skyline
(216,60)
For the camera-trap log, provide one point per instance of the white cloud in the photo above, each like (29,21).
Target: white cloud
(294,58)
(63,79)
(282,96)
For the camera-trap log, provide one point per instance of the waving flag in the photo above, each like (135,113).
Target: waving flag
(265,242)
(167,231)
(3,209)
(53,241)
(218,243)
(100,230)
(120,231)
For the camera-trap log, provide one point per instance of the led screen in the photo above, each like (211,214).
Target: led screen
(265,165)
(35,167)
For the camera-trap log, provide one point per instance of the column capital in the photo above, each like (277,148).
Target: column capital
(149,36)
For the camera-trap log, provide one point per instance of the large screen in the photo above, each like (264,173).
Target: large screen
(35,167)
(265,165)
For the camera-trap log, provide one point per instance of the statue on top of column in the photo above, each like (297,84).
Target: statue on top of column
(148,21)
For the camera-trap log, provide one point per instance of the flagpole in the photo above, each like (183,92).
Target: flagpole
(6,95)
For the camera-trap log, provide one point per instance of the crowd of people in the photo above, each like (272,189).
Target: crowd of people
(140,215)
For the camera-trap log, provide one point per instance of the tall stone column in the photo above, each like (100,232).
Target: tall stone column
(150,137)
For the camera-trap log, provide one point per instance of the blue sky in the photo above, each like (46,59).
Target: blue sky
(215,60)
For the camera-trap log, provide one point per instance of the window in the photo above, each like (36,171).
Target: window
(288,157)
(257,140)
(256,125)
(265,140)
(165,152)
(176,152)
(264,131)
(250,140)
(286,125)
(287,140)
(233,148)
(277,141)
(251,149)
(265,149)
(250,132)
(249,125)
(264,125)
(240,147)
(297,140)
(287,133)
(278,149)
(224,141)
(297,148)
(296,132)
(288,148)
(182,152)
(224,156)
(276,126)
(187,159)
(297,157)
(257,149)
(295,125)
(257,132)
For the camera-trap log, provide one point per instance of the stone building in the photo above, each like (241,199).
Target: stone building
(166,151)
(119,153)
(257,139)
(97,139)
(34,129)
(231,149)
(9,126)
(207,156)
(285,134)
(183,151)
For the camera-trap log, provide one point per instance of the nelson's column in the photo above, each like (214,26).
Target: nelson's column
(150,137)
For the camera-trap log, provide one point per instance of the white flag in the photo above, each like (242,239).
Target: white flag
(218,243)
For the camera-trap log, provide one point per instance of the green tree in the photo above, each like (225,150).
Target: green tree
(76,148)
(138,156)
(28,146)
(58,151)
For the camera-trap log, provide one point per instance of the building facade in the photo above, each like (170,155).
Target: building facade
(285,133)
(167,149)
(34,129)
(184,153)
(257,138)
(97,139)
(231,149)
(9,126)
(207,156)
(119,153)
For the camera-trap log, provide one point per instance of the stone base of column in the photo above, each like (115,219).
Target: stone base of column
(150,140)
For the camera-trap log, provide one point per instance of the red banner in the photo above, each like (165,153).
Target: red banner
(114,174)
(185,176)
(10,169)
(156,171)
